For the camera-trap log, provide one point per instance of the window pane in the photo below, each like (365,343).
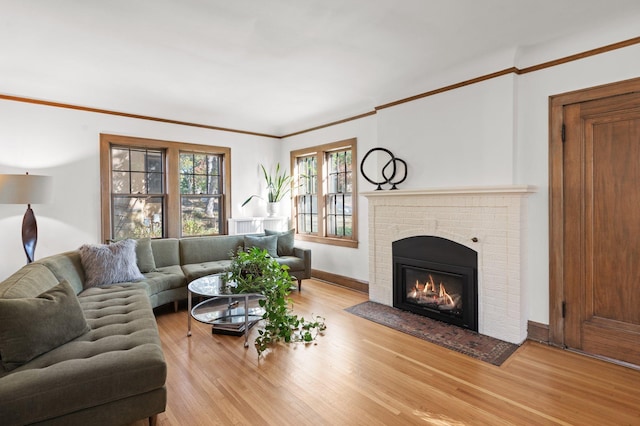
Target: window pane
(138,183)
(331,225)
(214,165)
(155,183)
(331,204)
(120,182)
(200,184)
(348,226)
(119,159)
(154,162)
(200,164)
(341,183)
(137,217)
(201,215)
(332,183)
(186,163)
(186,184)
(348,206)
(214,185)
(138,163)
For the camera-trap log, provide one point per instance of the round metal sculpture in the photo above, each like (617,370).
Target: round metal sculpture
(389,170)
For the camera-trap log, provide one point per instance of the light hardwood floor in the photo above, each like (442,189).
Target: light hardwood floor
(362,373)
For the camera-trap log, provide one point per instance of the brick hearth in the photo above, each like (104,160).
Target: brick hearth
(495,216)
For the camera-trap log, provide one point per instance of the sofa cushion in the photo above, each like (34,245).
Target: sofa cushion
(166,251)
(166,278)
(106,264)
(29,281)
(144,255)
(264,242)
(66,267)
(198,270)
(30,327)
(286,241)
(207,249)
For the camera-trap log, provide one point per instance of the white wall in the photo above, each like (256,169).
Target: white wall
(455,138)
(64,144)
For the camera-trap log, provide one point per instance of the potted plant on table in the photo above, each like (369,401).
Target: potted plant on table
(254,271)
(278,185)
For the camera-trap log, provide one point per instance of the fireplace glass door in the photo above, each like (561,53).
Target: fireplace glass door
(436,278)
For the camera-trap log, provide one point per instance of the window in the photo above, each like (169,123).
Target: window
(157,189)
(325,193)
(307,199)
(338,196)
(200,193)
(137,192)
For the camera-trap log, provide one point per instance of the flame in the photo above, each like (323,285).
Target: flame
(444,295)
(430,293)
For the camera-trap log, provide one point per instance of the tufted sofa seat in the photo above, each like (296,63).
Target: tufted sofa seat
(113,374)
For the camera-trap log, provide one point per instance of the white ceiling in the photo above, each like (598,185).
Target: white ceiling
(267,66)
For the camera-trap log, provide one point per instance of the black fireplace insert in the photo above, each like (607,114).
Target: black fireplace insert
(437,278)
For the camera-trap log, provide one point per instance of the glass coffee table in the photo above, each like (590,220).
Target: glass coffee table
(226,312)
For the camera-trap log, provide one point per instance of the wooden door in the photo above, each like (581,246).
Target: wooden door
(601,229)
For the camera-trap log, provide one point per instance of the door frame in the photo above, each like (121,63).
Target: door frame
(556,196)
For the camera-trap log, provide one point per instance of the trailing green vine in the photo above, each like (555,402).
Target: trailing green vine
(254,271)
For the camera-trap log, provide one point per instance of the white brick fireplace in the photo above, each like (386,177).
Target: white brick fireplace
(494,216)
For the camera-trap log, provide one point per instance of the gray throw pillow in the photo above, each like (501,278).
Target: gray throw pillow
(29,327)
(268,243)
(144,256)
(286,241)
(106,264)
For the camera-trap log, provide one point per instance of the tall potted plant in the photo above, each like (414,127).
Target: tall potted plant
(278,185)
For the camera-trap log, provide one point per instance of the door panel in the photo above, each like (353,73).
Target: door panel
(616,221)
(602,227)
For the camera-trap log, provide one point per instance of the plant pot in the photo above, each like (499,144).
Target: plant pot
(272,209)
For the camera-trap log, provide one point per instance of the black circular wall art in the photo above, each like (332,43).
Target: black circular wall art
(393,172)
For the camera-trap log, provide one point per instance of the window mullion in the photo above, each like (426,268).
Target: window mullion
(320,191)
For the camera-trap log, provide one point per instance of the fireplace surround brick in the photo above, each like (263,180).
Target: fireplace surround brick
(496,216)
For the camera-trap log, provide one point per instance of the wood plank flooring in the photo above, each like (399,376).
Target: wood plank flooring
(362,373)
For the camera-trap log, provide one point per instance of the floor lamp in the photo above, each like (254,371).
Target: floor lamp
(26,189)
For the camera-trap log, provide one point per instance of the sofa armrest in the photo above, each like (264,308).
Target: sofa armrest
(305,255)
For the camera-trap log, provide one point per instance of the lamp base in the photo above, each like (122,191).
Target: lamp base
(29,233)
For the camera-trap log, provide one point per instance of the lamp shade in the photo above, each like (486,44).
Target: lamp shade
(25,189)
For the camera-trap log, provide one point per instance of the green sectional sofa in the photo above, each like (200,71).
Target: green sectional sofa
(76,355)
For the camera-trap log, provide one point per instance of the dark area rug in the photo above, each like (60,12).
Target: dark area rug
(484,348)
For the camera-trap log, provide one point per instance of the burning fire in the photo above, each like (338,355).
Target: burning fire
(431,294)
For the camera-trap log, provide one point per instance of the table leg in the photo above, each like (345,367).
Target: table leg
(188,313)
(246,321)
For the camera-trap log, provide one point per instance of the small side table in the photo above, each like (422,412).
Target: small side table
(222,309)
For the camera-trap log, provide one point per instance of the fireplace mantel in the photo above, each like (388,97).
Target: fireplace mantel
(489,219)
(469,190)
